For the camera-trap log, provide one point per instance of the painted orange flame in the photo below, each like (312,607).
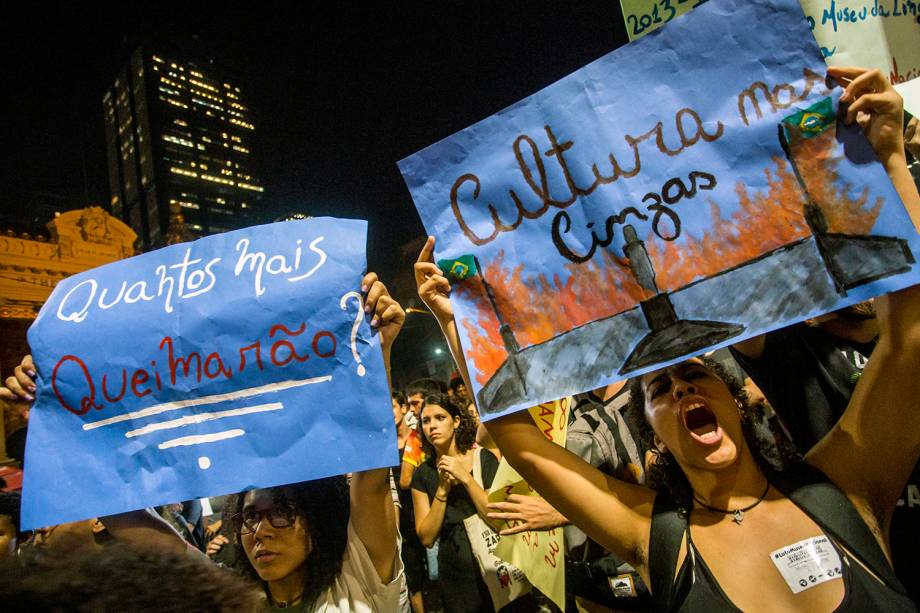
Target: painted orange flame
(767,220)
(485,349)
(817,164)
(539,308)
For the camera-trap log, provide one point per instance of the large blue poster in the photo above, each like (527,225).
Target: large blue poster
(687,191)
(239,360)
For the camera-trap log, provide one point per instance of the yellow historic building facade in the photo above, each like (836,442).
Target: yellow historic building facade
(30,268)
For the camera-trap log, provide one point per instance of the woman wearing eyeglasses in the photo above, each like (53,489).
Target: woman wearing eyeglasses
(328,545)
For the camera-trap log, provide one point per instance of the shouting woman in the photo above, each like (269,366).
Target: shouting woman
(725,531)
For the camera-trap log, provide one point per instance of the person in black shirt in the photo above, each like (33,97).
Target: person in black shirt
(444,493)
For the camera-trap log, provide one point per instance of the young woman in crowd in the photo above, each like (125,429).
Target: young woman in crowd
(328,545)
(444,493)
(726,532)
(322,545)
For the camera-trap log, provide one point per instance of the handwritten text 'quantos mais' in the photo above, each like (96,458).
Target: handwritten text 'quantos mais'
(191,277)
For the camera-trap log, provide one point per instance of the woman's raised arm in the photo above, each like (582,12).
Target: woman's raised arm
(372,514)
(874,446)
(614,513)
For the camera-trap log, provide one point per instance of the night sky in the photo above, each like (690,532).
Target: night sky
(340,92)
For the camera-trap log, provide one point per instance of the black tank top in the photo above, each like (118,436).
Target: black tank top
(696,589)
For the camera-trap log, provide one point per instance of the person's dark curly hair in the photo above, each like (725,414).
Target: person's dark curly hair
(121,577)
(665,475)
(464,434)
(323,504)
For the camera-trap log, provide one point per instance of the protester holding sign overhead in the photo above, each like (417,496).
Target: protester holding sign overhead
(650,206)
(323,545)
(320,545)
(206,368)
(730,531)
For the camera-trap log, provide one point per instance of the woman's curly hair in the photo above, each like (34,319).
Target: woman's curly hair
(323,504)
(464,434)
(665,475)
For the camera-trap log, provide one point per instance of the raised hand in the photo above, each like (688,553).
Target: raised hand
(454,468)
(385,313)
(20,388)
(525,514)
(215,545)
(873,103)
(433,286)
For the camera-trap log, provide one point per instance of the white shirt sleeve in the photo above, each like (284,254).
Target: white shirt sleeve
(358,587)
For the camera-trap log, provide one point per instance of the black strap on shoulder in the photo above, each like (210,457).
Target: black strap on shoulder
(619,446)
(829,507)
(668,528)
(590,420)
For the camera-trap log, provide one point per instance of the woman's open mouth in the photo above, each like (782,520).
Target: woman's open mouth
(702,423)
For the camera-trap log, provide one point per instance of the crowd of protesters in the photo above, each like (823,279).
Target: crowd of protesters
(675,490)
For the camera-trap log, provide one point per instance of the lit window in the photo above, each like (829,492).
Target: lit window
(217,180)
(182,171)
(178,141)
(243,124)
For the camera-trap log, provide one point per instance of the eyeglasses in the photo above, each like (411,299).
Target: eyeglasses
(248,521)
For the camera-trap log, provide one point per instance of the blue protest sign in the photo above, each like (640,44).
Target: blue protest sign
(239,360)
(687,191)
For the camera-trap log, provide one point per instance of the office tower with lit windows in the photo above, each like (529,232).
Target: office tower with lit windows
(179,135)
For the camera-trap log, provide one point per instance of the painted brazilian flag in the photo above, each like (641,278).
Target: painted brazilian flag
(460,268)
(810,122)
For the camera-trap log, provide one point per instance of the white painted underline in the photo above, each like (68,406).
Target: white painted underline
(201,438)
(200,417)
(194,402)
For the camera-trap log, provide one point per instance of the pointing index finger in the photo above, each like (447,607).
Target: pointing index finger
(427,251)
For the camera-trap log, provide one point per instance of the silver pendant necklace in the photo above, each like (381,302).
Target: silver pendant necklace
(737,514)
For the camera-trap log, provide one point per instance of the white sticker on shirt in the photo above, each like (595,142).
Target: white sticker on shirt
(807,563)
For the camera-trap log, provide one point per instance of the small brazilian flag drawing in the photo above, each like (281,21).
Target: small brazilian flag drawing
(810,122)
(458,269)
